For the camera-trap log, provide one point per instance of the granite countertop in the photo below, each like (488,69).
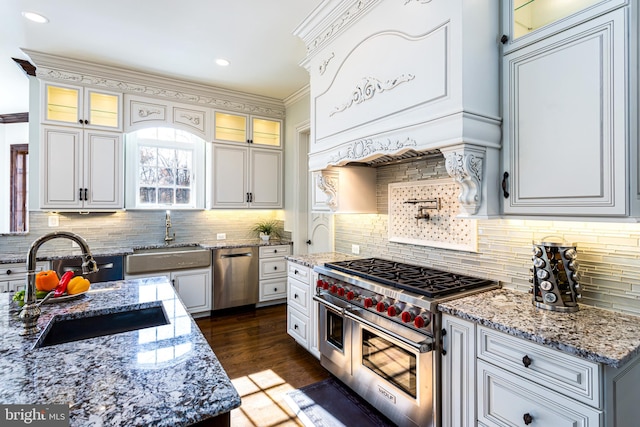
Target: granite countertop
(311,260)
(592,333)
(163,376)
(44,255)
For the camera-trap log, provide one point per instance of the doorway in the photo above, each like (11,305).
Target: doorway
(18,187)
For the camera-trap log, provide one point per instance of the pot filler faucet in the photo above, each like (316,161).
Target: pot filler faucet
(31,310)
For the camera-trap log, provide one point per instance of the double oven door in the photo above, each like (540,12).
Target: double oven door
(389,365)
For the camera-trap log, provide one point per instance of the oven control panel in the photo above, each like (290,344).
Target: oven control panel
(409,315)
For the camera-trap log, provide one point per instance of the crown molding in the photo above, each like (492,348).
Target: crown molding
(297,96)
(73,71)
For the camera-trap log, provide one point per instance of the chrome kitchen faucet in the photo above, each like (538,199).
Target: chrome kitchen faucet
(31,309)
(167,227)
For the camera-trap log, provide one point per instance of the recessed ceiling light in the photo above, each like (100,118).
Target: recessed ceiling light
(35,17)
(222,62)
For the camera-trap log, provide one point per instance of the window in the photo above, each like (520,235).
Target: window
(165,168)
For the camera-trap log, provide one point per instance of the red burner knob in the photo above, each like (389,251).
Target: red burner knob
(391,311)
(325,285)
(421,321)
(351,295)
(368,302)
(333,289)
(406,316)
(341,292)
(381,306)
(320,283)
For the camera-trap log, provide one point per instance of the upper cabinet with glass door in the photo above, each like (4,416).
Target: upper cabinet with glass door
(241,128)
(527,21)
(81,107)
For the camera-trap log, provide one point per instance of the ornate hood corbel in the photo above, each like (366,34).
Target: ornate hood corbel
(465,164)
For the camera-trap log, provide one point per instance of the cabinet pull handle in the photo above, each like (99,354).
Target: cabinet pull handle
(80,194)
(295,271)
(504,185)
(275,289)
(308,242)
(295,295)
(295,326)
(247,198)
(526,361)
(86,194)
(251,197)
(275,267)
(173,282)
(527,418)
(504,39)
(442,349)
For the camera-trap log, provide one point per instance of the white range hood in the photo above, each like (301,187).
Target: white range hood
(405,76)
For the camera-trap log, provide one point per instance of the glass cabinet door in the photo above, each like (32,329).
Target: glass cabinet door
(230,127)
(103,109)
(266,132)
(62,104)
(530,15)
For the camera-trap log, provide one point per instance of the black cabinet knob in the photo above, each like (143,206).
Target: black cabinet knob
(504,39)
(308,242)
(9,272)
(526,361)
(527,418)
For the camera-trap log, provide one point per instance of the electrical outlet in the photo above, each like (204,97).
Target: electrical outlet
(54,221)
(221,236)
(355,249)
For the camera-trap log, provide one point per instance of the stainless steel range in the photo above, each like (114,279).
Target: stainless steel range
(380,332)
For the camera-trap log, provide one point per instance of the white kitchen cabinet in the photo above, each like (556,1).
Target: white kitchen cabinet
(244,177)
(142,112)
(81,107)
(273,273)
(243,129)
(569,147)
(525,22)
(458,372)
(13,276)
(302,311)
(81,169)
(192,285)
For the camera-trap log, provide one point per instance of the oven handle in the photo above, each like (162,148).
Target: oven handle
(326,303)
(421,347)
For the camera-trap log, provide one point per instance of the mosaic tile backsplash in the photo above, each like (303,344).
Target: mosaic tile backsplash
(410,201)
(608,252)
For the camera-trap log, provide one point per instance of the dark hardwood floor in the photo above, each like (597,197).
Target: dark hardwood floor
(263,362)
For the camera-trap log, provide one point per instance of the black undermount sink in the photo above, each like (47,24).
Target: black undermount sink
(67,330)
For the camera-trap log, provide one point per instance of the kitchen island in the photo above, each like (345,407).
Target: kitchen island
(163,376)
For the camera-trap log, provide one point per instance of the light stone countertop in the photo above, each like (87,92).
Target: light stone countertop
(162,376)
(44,255)
(311,260)
(592,333)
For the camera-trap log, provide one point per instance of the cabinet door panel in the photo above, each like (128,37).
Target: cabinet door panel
(194,288)
(266,178)
(565,120)
(103,170)
(61,176)
(229,186)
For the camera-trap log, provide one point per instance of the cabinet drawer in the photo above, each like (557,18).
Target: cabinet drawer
(298,295)
(273,289)
(275,251)
(298,326)
(566,374)
(505,399)
(18,270)
(298,271)
(271,268)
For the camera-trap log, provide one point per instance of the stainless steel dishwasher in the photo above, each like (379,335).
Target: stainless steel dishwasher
(235,277)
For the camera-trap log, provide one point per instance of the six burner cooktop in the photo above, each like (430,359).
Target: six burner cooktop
(421,280)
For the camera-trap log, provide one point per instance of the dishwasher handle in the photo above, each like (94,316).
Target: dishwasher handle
(236,255)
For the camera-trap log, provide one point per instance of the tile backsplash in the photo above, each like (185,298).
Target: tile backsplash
(137,228)
(608,253)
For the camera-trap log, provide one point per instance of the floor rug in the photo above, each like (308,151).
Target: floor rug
(329,403)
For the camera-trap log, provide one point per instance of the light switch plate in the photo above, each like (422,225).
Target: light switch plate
(355,249)
(221,236)
(54,221)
